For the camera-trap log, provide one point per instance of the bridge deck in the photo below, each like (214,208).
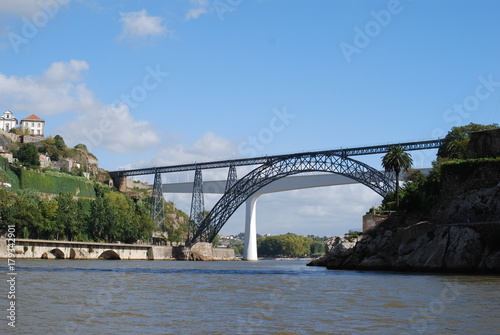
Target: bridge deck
(369,150)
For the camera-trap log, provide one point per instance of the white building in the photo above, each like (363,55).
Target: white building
(8,121)
(34,125)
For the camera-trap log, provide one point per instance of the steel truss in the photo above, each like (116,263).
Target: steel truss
(197,203)
(370,150)
(157,209)
(281,167)
(231,178)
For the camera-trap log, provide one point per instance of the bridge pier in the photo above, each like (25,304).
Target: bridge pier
(250,247)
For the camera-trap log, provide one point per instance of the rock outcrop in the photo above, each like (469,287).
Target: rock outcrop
(469,248)
(470,193)
(203,251)
(463,234)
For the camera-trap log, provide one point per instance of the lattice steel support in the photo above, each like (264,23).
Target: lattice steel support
(197,205)
(157,209)
(231,177)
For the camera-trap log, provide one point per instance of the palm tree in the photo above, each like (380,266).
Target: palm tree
(397,159)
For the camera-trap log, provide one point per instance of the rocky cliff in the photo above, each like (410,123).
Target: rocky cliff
(470,192)
(471,248)
(462,235)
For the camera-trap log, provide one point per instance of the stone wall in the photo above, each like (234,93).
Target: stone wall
(30,139)
(484,144)
(371,220)
(44,249)
(11,136)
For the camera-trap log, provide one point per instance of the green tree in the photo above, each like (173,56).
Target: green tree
(28,155)
(101,222)
(288,245)
(317,248)
(68,224)
(395,161)
(457,140)
(59,143)
(238,248)
(25,215)
(48,209)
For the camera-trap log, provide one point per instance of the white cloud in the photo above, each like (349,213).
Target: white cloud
(140,25)
(111,127)
(61,90)
(61,71)
(313,210)
(198,7)
(209,147)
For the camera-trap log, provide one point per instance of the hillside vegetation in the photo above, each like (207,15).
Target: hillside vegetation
(44,203)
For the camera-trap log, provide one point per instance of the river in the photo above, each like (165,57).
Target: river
(264,297)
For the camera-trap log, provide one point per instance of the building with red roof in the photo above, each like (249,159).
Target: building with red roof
(34,125)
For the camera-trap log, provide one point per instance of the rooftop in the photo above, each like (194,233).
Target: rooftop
(32,117)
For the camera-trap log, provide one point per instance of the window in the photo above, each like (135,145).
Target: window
(32,124)
(38,125)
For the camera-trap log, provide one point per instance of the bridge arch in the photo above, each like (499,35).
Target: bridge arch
(109,254)
(53,253)
(57,253)
(282,167)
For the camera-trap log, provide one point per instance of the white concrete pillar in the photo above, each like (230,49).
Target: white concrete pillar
(250,247)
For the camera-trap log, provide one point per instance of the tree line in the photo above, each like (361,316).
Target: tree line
(111,217)
(289,245)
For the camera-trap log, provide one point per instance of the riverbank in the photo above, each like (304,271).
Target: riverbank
(11,248)
(422,247)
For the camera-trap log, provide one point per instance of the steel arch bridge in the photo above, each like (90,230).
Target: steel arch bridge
(283,166)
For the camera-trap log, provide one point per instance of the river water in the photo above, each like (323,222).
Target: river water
(264,297)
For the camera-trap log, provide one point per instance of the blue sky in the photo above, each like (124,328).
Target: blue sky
(146,83)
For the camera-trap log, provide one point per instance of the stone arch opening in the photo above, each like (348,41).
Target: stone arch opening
(58,254)
(109,254)
(72,253)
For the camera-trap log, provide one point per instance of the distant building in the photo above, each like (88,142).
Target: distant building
(44,161)
(8,121)
(34,125)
